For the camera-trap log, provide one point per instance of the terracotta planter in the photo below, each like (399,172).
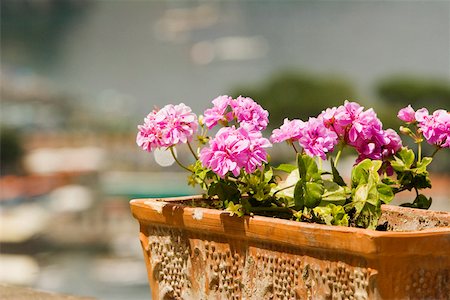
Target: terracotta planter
(197,253)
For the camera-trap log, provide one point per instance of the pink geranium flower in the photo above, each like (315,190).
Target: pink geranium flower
(233,149)
(149,134)
(407,114)
(249,112)
(339,119)
(361,130)
(435,127)
(393,143)
(289,131)
(316,139)
(364,126)
(219,111)
(172,125)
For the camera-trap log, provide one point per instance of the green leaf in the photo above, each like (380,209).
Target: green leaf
(313,193)
(288,168)
(360,197)
(421,202)
(403,160)
(299,195)
(407,156)
(421,181)
(336,176)
(307,168)
(332,215)
(385,192)
(226,191)
(422,166)
(235,209)
(268,175)
(368,217)
(365,169)
(334,193)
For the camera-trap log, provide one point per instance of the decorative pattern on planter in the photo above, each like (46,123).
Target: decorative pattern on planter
(170,258)
(225,269)
(429,284)
(194,253)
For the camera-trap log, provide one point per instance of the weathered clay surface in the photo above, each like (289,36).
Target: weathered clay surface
(408,219)
(193,254)
(190,266)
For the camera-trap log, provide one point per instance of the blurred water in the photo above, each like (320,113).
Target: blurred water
(94,274)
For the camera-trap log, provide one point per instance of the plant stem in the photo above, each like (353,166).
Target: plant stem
(435,151)
(234,180)
(192,150)
(419,152)
(178,162)
(338,155)
(285,188)
(293,146)
(320,164)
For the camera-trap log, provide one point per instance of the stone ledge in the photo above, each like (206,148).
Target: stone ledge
(10,292)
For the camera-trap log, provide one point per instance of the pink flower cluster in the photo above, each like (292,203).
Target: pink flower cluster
(171,125)
(315,138)
(435,128)
(362,130)
(233,149)
(348,123)
(246,111)
(289,131)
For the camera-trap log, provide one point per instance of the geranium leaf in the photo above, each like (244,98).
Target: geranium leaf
(336,176)
(385,193)
(288,168)
(313,193)
(307,167)
(299,195)
(422,166)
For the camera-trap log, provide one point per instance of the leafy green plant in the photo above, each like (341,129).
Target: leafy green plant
(234,169)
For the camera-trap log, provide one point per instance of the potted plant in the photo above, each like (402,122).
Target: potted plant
(253,235)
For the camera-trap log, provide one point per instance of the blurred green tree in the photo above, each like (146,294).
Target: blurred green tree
(298,95)
(399,91)
(11,151)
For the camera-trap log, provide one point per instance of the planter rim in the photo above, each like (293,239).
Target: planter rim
(170,212)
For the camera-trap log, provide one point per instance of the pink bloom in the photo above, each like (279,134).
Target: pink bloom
(407,114)
(316,139)
(436,127)
(171,125)
(381,145)
(149,134)
(218,113)
(290,130)
(421,114)
(339,119)
(248,111)
(393,143)
(364,126)
(234,149)
(361,130)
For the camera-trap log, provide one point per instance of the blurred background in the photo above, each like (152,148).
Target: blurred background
(77,76)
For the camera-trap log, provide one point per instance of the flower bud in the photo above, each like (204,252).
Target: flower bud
(201,120)
(407,114)
(406,130)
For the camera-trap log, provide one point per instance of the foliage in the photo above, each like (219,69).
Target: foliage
(403,90)
(11,151)
(234,169)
